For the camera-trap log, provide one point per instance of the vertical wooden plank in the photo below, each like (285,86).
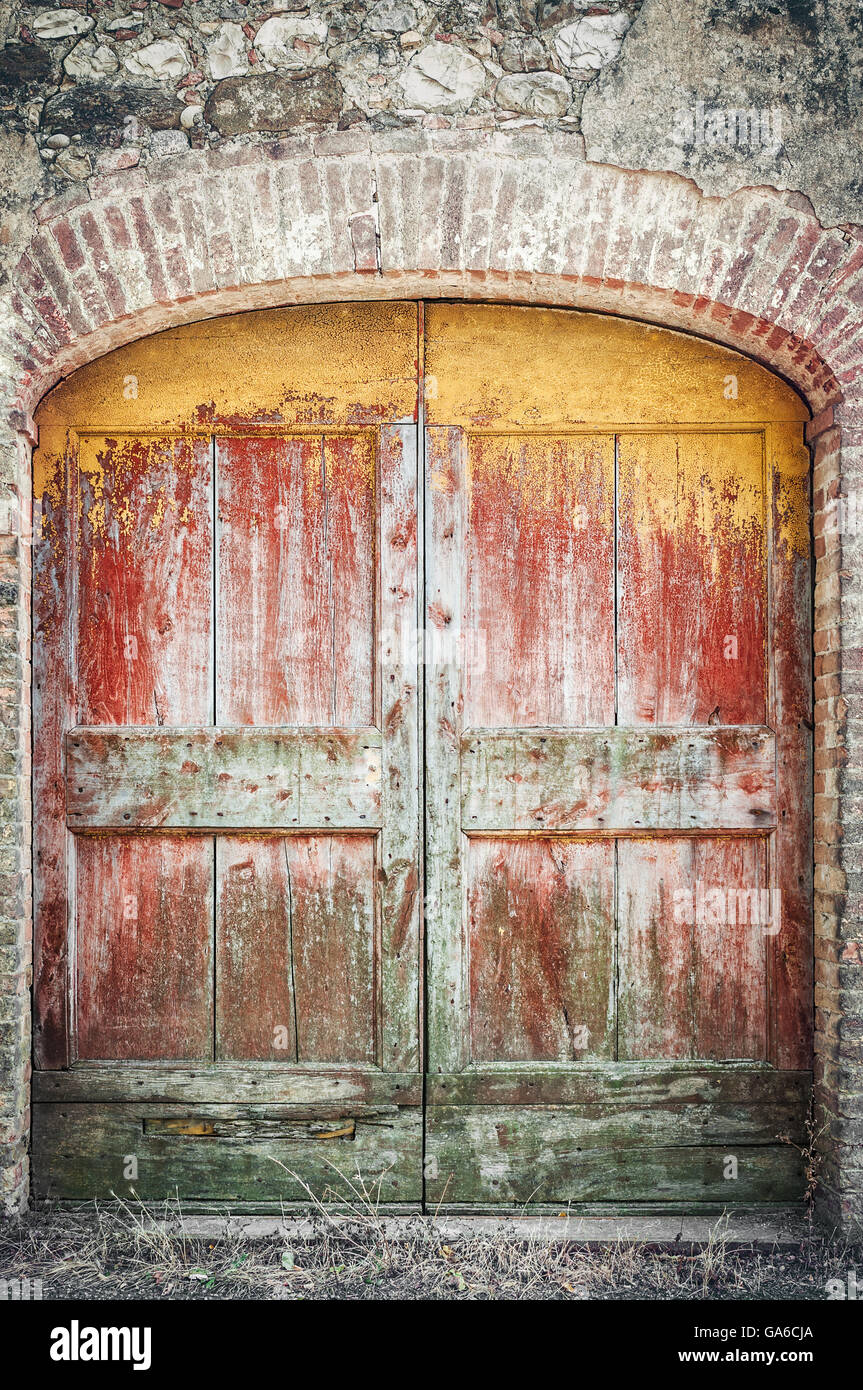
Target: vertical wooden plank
(255,1014)
(693,917)
(330,880)
(351,557)
(296,562)
(791,949)
(52,716)
(144,578)
(272,627)
(446,994)
(539,558)
(692,575)
(144,958)
(400,891)
(541,949)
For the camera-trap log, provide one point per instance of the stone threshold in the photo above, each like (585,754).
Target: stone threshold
(764,1228)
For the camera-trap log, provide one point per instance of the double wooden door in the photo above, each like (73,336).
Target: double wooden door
(421,765)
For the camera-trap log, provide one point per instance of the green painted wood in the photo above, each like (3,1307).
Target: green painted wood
(223,779)
(622,1084)
(251,1082)
(84,1150)
(565,1154)
(618,779)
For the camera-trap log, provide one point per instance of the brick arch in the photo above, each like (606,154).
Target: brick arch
(481,215)
(518,218)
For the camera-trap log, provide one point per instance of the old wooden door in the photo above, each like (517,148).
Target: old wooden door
(228,779)
(618,913)
(227,835)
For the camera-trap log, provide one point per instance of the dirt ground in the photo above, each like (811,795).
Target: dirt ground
(134,1253)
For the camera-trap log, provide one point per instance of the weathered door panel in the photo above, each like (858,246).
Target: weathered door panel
(547,994)
(611,840)
(142,618)
(693,917)
(539,581)
(245,1157)
(531,1154)
(692,568)
(144,947)
(141,638)
(295,933)
(234,630)
(296,580)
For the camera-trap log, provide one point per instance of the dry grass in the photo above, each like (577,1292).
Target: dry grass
(145,1253)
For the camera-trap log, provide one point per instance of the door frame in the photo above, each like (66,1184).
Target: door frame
(421,570)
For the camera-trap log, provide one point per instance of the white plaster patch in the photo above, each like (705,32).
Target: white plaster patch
(61,24)
(88,60)
(591,42)
(276,39)
(227,52)
(163,59)
(443,75)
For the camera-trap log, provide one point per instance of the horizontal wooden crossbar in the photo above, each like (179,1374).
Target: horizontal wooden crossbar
(616,779)
(220,779)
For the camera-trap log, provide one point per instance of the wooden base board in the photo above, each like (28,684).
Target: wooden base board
(226,1154)
(701,1137)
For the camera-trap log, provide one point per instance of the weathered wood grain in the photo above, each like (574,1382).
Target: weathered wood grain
(144,947)
(84,1152)
(536,1154)
(143,617)
(295,932)
(332,903)
(693,921)
(296,560)
(619,779)
(538,557)
(627,1084)
(447,987)
(292,1129)
(214,779)
(400,885)
(254,950)
(692,579)
(636,1084)
(541,947)
(246,1082)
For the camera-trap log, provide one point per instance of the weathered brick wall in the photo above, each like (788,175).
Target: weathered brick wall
(167,160)
(15,894)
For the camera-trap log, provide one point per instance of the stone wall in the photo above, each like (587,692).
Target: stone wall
(167,160)
(101,85)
